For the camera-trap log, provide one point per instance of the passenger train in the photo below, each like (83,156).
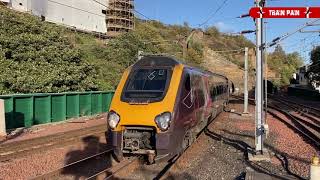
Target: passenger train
(161,104)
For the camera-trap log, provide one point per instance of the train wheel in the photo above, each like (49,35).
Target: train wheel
(226,107)
(151,158)
(187,140)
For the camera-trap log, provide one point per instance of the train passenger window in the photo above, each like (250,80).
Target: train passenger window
(216,91)
(212,92)
(201,95)
(187,83)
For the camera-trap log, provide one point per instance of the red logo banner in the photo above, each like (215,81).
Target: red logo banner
(285,12)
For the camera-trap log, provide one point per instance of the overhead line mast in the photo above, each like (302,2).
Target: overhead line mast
(260,126)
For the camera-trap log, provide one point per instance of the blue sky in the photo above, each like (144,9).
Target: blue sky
(196,12)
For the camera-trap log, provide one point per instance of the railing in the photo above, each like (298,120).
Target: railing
(26,110)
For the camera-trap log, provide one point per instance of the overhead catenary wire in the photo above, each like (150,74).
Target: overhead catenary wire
(141,14)
(213,14)
(234,50)
(288,34)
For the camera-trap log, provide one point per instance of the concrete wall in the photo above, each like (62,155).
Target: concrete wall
(20,5)
(82,14)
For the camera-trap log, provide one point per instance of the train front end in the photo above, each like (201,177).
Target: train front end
(142,110)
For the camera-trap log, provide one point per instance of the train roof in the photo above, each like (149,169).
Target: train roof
(156,60)
(162,60)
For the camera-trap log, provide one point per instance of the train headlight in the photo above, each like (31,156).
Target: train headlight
(113,119)
(163,121)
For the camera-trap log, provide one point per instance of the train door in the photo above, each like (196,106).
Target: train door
(214,96)
(186,104)
(186,108)
(201,104)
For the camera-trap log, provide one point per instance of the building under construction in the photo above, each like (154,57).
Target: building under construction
(120,17)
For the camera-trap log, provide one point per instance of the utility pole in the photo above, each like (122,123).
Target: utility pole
(259,133)
(245,111)
(266,73)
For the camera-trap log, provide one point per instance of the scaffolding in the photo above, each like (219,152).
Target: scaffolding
(120,17)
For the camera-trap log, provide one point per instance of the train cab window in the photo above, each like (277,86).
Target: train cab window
(147,84)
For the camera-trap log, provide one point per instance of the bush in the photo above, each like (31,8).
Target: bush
(36,57)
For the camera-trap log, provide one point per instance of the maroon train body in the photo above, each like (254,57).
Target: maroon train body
(161,105)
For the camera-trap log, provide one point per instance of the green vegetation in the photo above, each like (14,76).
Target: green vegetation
(314,71)
(285,65)
(38,56)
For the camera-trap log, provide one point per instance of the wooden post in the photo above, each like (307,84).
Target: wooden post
(2,119)
(315,169)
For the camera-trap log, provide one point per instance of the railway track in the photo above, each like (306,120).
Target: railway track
(301,108)
(108,172)
(55,174)
(111,172)
(296,124)
(301,118)
(23,148)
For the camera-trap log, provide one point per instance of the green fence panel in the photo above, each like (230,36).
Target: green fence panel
(85,104)
(58,107)
(96,103)
(23,111)
(42,109)
(73,109)
(106,101)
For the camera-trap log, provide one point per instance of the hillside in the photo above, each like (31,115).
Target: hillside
(39,56)
(219,64)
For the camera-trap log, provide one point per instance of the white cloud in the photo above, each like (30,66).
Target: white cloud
(223,27)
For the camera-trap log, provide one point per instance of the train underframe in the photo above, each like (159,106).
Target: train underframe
(142,141)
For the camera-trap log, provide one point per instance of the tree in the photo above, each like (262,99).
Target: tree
(315,55)
(284,64)
(278,51)
(314,70)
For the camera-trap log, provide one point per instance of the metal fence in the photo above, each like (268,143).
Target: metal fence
(26,110)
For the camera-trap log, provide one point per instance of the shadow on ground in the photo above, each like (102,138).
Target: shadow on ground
(90,167)
(245,148)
